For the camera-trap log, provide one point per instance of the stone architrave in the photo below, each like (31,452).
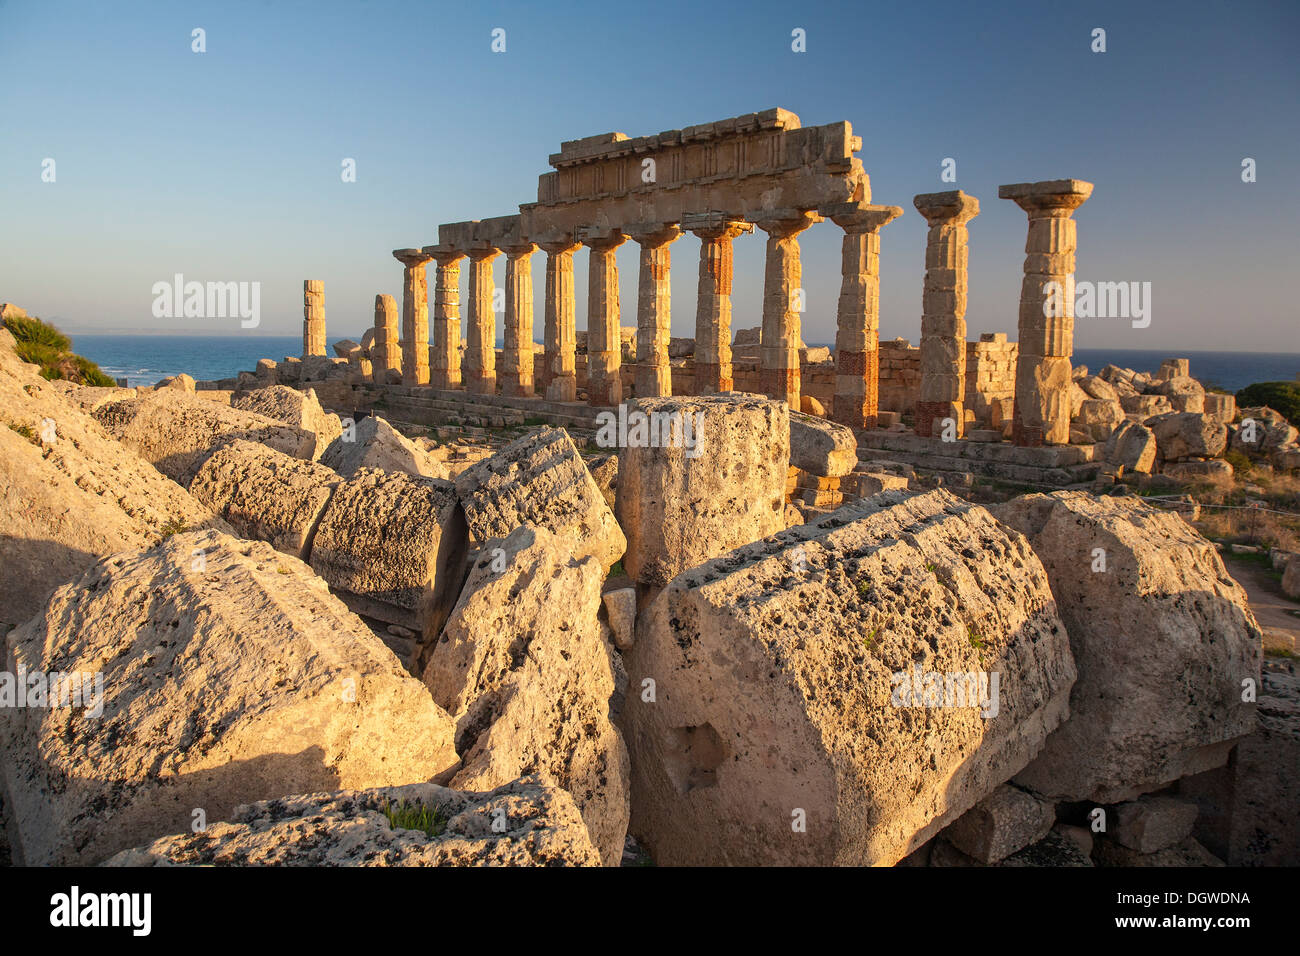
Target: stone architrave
(313,317)
(857,337)
(517,356)
(713,305)
(415,316)
(604,345)
(446,317)
(943,309)
(1046,328)
(481,325)
(654,376)
(385,353)
(559,371)
(783,302)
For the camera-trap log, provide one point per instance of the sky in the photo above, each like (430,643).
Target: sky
(225,165)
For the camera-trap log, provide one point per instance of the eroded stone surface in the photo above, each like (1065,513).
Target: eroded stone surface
(374,443)
(775,669)
(300,409)
(230,674)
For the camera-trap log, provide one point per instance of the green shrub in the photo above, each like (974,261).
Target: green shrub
(1283,397)
(415,816)
(44,346)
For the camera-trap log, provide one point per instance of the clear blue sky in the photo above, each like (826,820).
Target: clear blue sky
(226,165)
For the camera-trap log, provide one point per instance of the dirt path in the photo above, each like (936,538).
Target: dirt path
(1277,614)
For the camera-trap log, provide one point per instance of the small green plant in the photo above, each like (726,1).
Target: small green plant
(975,638)
(25,431)
(1239,461)
(870,639)
(282,570)
(415,816)
(617,569)
(864,588)
(173,526)
(41,344)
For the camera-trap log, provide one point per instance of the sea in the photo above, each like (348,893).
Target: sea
(144,359)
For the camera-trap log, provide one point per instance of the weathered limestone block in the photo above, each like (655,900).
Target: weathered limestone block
(1221,406)
(265,494)
(620,610)
(604,470)
(782,675)
(229,674)
(1173,368)
(1195,469)
(1098,387)
(70,494)
(540,479)
(1247,808)
(373,443)
(524,670)
(1187,435)
(1185,394)
(300,409)
(344,348)
(1132,446)
(717,486)
(1100,417)
(174,432)
(1187,853)
(386,352)
(395,546)
(352,828)
(1146,406)
(1007,820)
(821,447)
(1291,579)
(177,383)
(1149,824)
(1263,432)
(864,484)
(1163,638)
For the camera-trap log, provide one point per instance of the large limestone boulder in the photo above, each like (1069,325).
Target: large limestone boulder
(1222,406)
(1097,387)
(300,409)
(178,383)
(821,447)
(373,443)
(1131,446)
(1099,417)
(357,828)
(265,494)
(229,674)
(394,547)
(1185,393)
(174,432)
(540,479)
(523,668)
(781,727)
(1005,822)
(1145,406)
(1262,432)
(1187,435)
(69,493)
(695,499)
(1163,638)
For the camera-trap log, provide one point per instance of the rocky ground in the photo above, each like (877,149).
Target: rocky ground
(321,642)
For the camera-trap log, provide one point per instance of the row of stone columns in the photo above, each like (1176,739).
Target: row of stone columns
(1046,341)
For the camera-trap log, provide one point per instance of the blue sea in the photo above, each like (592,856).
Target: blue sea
(144,359)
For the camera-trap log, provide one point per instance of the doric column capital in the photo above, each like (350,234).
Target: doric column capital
(411,257)
(519,250)
(947,208)
(654,233)
(1051,198)
(482,251)
(715,226)
(786,223)
(856,218)
(443,254)
(601,238)
(556,242)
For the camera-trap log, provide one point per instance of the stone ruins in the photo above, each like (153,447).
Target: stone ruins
(627,598)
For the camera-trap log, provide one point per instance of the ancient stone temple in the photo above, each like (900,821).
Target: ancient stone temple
(758,174)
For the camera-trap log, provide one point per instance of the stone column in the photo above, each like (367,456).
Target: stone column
(1042,406)
(654,375)
(943,309)
(857,336)
(385,353)
(481,324)
(782,303)
(517,356)
(559,373)
(713,301)
(604,341)
(445,372)
(415,317)
(313,317)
